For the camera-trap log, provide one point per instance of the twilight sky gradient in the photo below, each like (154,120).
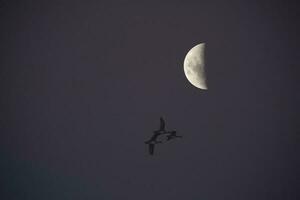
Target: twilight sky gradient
(83,84)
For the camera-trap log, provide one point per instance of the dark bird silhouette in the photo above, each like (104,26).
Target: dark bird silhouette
(161,131)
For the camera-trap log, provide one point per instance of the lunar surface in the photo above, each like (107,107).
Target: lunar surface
(194,67)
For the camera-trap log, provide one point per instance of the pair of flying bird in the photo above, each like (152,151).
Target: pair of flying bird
(162,131)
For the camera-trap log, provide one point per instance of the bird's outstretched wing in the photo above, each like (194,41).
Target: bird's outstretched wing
(162,124)
(151,149)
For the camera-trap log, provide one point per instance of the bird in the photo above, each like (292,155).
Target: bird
(161,131)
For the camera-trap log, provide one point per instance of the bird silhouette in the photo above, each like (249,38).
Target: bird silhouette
(161,131)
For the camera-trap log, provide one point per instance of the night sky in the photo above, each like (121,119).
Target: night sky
(83,84)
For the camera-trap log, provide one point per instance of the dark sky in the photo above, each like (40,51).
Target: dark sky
(83,84)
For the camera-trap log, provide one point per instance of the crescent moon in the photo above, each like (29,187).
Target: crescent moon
(194,66)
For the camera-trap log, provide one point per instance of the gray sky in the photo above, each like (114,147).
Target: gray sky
(84,84)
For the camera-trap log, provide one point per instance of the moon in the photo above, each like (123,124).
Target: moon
(194,66)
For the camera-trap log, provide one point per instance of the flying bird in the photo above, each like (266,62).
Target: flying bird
(161,131)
